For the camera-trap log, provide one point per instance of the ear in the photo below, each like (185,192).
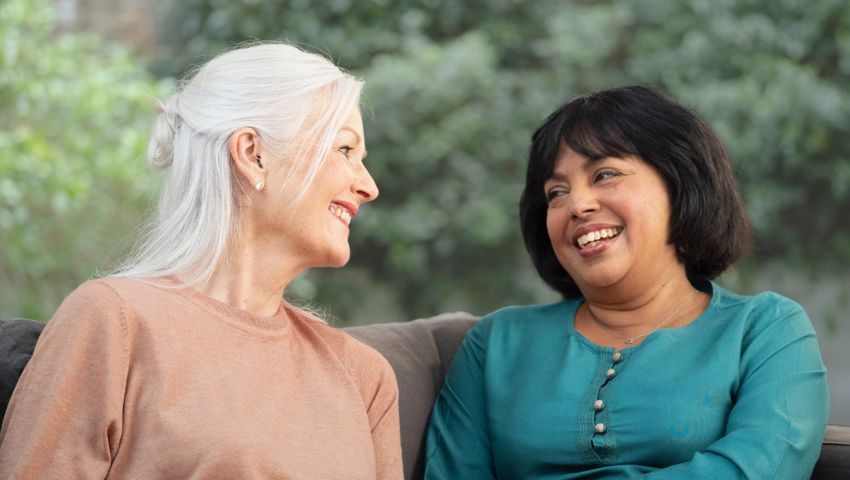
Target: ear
(244,153)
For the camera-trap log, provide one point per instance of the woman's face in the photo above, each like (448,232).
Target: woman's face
(608,221)
(317,231)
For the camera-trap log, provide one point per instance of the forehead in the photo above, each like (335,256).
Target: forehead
(353,123)
(569,159)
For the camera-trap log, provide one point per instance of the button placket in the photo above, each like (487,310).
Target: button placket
(600,414)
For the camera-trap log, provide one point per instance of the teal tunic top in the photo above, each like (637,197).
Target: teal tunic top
(740,392)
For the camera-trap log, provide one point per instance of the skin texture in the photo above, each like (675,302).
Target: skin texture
(630,282)
(276,243)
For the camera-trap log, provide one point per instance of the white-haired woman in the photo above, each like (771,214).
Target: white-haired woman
(186,363)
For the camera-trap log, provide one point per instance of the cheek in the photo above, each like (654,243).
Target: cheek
(554,226)
(649,215)
(660,207)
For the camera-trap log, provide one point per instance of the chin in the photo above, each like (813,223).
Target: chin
(338,264)
(599,279)
(338,259)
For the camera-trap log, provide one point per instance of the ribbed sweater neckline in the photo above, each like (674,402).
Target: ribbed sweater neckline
(267,326)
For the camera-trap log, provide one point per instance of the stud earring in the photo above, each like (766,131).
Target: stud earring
(259,186)
(259,163)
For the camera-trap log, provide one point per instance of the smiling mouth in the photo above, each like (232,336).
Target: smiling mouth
(341,213)
(591,239)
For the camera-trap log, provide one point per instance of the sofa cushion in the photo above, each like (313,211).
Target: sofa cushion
(420,353)
(834,460)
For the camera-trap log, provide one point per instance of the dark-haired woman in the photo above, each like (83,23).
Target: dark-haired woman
(647,368)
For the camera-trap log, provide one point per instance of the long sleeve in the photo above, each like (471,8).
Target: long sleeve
(458,445)
(384,422)
(65,417)
(777,423)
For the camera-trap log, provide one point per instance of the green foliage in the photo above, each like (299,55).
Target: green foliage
(74,122)
(449,165)
(772,78)
(456,88)
(351,32)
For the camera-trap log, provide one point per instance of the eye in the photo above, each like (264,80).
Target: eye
(345,150)
(605,174)
(554,193)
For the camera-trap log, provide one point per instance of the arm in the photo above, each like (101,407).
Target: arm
(65,417)
(379,392)
(384,421)
(458,444)
(776,425)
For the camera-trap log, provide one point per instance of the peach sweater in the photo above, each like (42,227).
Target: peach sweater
(131,380)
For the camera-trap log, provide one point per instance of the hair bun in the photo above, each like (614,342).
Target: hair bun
(165,125)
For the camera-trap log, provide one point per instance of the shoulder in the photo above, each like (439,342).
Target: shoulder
(524,320)
(363,363)
(113,292)
(509,330)
(764,312)
(765,324)
(526,313)
(109,301)
(92,301)
(93,291)
(135,290)
(92,318)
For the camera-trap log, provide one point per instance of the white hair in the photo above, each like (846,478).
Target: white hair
(296,102)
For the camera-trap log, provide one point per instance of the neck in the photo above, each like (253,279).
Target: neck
(253,276)
(630,313)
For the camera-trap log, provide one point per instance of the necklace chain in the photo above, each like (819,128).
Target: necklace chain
(630,340)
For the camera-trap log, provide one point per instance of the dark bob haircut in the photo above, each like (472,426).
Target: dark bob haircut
(708,221)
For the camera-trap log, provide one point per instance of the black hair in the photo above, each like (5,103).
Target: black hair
(708,221)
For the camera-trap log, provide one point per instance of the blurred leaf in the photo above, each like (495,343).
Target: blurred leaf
(74,119)
(454,90)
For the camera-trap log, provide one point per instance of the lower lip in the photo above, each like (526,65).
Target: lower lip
(598,248)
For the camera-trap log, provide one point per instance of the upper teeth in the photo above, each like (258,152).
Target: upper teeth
(340,213)
(598,234)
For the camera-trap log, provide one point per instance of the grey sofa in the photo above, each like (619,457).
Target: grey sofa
(420,352)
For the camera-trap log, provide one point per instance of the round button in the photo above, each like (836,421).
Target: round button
(598,405)
(611,372)
(617,356)
(599,427)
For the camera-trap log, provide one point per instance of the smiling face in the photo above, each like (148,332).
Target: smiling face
(316,232)
(608,221)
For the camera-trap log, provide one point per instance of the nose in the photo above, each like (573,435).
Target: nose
(364,185)
(582,202)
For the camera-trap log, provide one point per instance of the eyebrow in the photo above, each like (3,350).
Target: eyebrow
(556,177)
(588,162)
